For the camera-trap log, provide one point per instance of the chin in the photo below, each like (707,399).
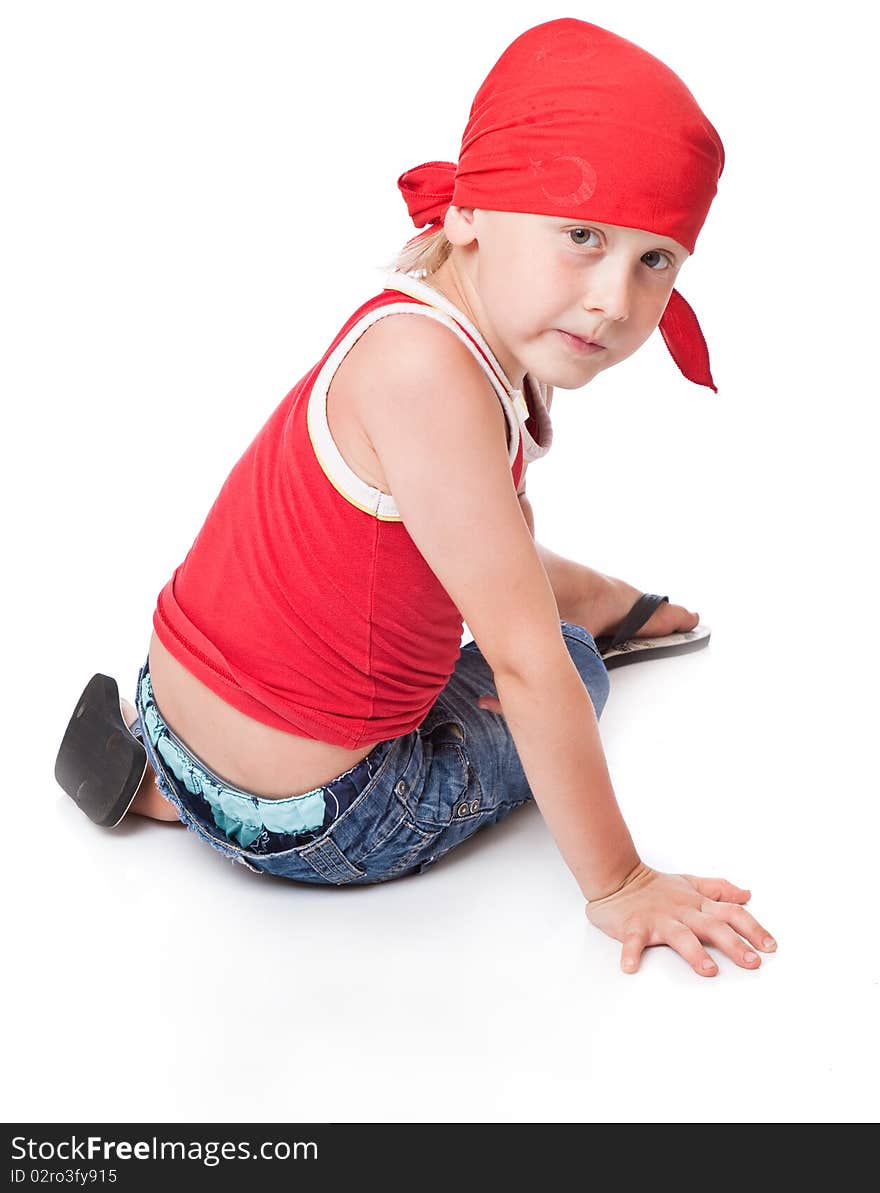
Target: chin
(571,378)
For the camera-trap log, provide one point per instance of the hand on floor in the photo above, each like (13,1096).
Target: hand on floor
(684,912)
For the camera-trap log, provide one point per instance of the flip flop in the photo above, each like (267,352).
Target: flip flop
(621,647)
(101,760)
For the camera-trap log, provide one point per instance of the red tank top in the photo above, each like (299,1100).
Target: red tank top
(303,601)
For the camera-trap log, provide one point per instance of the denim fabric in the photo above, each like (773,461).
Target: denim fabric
(401,808)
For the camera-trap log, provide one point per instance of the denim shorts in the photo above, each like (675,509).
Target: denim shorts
(411,800)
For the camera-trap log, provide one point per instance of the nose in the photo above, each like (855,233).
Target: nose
(608,292)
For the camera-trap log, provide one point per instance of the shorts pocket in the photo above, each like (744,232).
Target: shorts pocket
(398,852)
(450,786)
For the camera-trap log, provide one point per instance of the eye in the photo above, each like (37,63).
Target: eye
(588,231)
(655,254)
(670,263)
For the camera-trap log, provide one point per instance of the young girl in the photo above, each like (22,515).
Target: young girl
(306,706)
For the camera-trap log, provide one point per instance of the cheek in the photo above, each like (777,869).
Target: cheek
(660,305)
(648,311)
(517,310)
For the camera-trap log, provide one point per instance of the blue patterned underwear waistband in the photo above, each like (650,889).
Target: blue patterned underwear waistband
(259,824)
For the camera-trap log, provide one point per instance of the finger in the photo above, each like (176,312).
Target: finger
(719,888)
(681,938)
(744,923)
(489,702)
(633,947)
(714,931)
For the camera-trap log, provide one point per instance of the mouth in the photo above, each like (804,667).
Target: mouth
(579,344)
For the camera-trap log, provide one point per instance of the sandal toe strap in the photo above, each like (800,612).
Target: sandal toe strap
(641,612)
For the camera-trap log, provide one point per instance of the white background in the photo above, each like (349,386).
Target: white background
(196,196)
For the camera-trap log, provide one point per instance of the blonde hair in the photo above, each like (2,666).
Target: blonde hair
(424,257)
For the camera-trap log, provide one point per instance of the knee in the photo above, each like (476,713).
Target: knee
(596,681)
(585,656)
(599,686)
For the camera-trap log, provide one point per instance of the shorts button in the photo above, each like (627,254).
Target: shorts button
(475,805)
(463,809)
(400,788)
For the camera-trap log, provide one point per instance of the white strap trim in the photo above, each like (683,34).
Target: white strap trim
(533,449)
(356,490)
(408,284)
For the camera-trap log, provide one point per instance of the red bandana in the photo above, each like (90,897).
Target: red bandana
(574,121)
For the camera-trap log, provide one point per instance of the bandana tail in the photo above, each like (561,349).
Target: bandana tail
(685,341)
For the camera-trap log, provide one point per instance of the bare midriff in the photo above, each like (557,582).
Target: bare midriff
(260,759)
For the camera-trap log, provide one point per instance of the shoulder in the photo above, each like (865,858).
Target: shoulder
(411,356)
(418,333)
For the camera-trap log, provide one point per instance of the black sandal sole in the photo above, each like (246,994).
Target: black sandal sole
(100,763)
(638,650)
(623,647)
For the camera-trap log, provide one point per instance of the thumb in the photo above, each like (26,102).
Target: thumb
(492,703)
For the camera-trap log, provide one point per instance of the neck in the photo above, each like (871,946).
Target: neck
(457,284)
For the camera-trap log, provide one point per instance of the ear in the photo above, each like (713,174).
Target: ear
(458,224)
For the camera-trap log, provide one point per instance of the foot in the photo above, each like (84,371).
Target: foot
(613,599)
(149,800)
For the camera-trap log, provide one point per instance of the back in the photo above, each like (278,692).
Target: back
(304,600)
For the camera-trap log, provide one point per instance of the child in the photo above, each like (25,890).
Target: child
(306,707)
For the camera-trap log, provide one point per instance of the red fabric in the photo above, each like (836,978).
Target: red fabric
(299,608)
(577,122)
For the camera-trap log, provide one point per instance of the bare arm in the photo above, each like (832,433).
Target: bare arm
(441,436)
(558,743)
(461,510)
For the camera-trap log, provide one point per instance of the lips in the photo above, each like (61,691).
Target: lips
(577,343)
(583,339)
